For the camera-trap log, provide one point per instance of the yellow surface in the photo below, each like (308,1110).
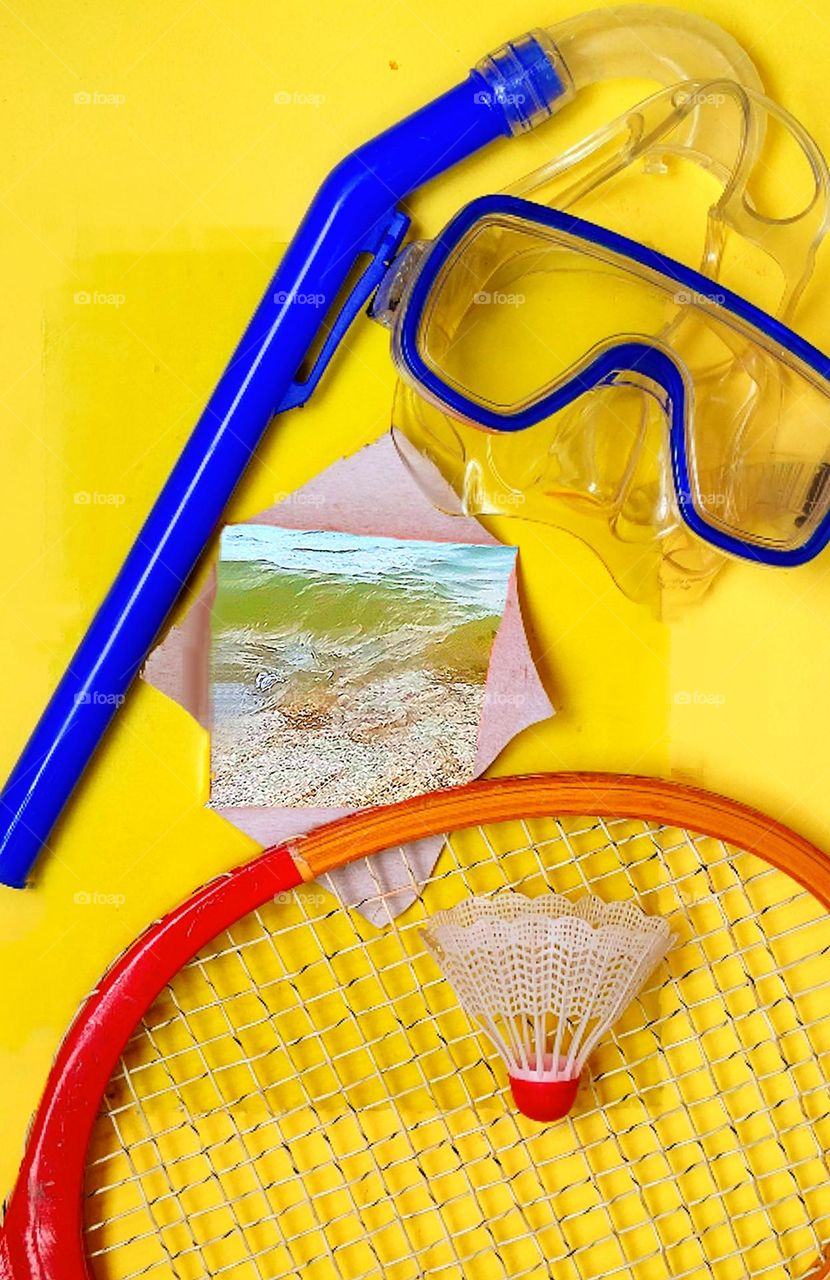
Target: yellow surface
(149,171)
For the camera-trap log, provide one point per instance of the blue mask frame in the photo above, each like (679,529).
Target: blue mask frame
(643,357)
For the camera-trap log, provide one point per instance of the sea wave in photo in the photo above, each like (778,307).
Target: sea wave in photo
(348,670)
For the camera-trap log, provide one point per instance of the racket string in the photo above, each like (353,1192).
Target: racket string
(783,969)
(718,1093)
(726,860)
(243,1096)
(775,1040)
(407,1029)
(412,1152)
(447,1228)
(311,1103)
(137,1178)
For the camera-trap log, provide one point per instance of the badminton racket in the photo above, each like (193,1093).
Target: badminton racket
(267,1085)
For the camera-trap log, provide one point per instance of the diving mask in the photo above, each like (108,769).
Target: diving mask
(554,368)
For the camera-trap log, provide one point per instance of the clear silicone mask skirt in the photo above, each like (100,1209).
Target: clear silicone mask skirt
(718,177)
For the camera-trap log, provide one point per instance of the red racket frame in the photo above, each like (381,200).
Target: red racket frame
(42,1235)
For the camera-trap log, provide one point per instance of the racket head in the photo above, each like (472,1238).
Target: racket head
(43,1233)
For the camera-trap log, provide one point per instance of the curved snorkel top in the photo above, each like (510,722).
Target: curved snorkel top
(664,46)
(355,212)
(660,44)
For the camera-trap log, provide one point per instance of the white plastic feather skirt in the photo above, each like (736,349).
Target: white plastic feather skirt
(546,978)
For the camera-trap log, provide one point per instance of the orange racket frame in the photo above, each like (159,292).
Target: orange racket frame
(42,1235)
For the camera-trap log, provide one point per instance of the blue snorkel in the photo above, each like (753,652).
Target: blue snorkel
(354,213)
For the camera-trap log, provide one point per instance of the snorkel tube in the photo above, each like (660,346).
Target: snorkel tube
(659,44)
(355,212)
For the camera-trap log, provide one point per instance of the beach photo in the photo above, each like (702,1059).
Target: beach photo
(348,670)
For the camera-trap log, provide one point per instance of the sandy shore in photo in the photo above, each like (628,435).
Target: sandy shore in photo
(348,671)
(411,733)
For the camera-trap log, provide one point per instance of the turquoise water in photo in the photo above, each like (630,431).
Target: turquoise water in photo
(325,641)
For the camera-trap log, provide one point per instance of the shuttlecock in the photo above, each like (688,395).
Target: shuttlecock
(545,978)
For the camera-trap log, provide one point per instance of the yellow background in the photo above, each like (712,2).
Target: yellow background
(167,196)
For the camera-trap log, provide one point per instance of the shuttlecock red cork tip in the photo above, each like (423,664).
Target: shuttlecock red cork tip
(543,1100)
